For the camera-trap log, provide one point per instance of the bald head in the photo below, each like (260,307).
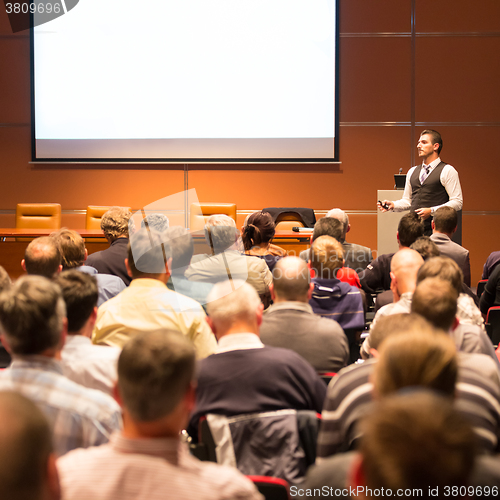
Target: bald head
(404,268)
(43,257)
(25,450)
(291,280)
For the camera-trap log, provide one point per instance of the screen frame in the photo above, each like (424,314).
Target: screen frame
(202,161)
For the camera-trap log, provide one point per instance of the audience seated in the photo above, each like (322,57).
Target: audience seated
(491,294)
(447,269)
(115,225)
(291,323)
(226,261)
(491,263)
(244,376)
(42,257)
(181,246)
(33,329)
(404,268)
(356,257)
(436,300)
(89,365)
(74,254)
(332,298)
(414,441)
(350,393)
(27,462)
(377,275)
(257,233)
(147,304)
(444,224)
(147,460)
(332,226)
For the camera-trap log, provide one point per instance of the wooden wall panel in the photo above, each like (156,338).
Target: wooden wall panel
(367,16)
(375,76)
(457,16)
(457,79)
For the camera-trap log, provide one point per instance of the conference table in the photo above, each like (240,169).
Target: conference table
(12,250)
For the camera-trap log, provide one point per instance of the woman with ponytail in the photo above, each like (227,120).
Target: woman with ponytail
(257,234)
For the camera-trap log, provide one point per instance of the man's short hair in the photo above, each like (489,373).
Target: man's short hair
(72,248)
(220,232)
(148,253)
(159,222)
(328,226)
(425,247)
(417,359)
(410,228)
(25,447)
(416,441)
(397,324)
(443,268)
(436,301)
(42,257)
(31,315)
(231,301)
(5,282)
(291,279)
(327,257)
(435,138)
(155,370)
(80,294)
(445,220)
(339,214)
(114,222)
(181,246)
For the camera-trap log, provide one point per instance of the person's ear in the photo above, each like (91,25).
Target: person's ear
(116,394)
(273,294)
(310,291)
(52,477)
(260,312)
(64,333)
(348,228)
(374,353)
(168,267)
(86,255)
(433,225)
(397,236)
(59,269)
(129,270)
(23,265)
(208,319)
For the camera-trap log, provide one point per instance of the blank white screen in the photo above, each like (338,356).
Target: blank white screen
(200,79)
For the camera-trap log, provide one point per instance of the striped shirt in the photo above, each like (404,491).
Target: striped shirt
(350,394)
(148,469)
(79,417)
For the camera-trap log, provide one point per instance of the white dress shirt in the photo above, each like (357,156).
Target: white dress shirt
(449,179)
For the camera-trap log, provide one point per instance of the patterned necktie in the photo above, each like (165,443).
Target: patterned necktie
(424,173)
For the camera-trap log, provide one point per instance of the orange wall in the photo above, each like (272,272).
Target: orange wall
(392,85)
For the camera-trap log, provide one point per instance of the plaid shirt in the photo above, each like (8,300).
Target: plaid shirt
(79,417)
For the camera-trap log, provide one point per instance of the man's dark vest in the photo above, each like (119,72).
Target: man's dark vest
(431,193)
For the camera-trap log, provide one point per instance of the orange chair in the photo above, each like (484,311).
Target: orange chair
(94,216)
(200,212)
(38,216)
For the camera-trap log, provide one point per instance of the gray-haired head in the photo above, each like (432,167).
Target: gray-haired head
(232,301)
(155,370)
(221,232)
(181,247)
(159,222)
(32,315)
(340,215)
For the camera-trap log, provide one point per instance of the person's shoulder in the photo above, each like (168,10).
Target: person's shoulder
(75,459)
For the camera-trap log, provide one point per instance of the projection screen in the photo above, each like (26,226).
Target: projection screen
(187,80)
